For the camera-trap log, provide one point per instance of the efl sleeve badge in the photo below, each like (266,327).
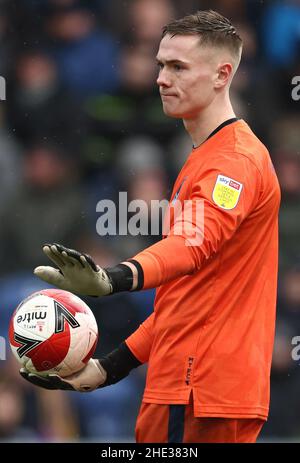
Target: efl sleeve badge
(226,192)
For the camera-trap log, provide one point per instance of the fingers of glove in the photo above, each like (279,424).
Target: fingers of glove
(72,261)
(73,385)
(61,254)
(61,259)
(60,383)
(70,256)
(85,260)
(24,373)
(57,254)
(51,275)
(40,381)
(91,262)
(54,256)
(88,263)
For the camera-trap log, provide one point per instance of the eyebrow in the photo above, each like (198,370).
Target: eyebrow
(170,61)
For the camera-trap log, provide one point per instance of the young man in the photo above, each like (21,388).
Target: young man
(209,341)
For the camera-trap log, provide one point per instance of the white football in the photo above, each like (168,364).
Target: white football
(53,331)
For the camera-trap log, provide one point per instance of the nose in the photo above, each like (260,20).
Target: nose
(163,79)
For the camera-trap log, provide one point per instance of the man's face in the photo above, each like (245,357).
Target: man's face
(187,75)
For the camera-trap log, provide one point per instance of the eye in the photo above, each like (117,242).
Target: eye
(177,67)
(160,65)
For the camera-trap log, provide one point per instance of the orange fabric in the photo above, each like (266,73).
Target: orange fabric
(141,350)
(212,330)
(153,420)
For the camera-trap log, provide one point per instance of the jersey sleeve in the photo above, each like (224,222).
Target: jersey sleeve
(140,341)
(223,193)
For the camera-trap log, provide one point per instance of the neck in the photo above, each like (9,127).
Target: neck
(208,119)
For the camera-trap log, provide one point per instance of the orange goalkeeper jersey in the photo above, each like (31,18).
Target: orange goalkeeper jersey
(212,329)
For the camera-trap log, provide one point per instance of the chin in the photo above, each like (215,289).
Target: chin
(174,114)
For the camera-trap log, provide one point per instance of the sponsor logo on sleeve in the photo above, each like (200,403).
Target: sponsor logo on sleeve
(226,192)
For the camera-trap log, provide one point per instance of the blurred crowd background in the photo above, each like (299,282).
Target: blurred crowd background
(82,121)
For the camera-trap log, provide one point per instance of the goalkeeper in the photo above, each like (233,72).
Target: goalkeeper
(209,341)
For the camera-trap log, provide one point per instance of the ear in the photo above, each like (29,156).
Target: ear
(224,75)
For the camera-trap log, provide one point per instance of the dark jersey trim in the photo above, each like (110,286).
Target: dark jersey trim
(121,277)
(140,271)
(176,423)
(229,121)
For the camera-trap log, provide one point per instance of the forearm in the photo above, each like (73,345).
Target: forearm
(77,272)
(118,364)
(130,354)
(141,340)
(165,261)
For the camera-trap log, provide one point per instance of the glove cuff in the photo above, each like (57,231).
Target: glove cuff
(121,278)
(118,364)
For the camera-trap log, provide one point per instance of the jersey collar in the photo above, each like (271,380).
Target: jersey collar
(229,121)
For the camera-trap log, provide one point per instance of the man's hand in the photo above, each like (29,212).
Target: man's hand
(77,272)
(89,378)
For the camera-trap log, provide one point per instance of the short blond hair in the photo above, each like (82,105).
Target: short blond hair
(213,29)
